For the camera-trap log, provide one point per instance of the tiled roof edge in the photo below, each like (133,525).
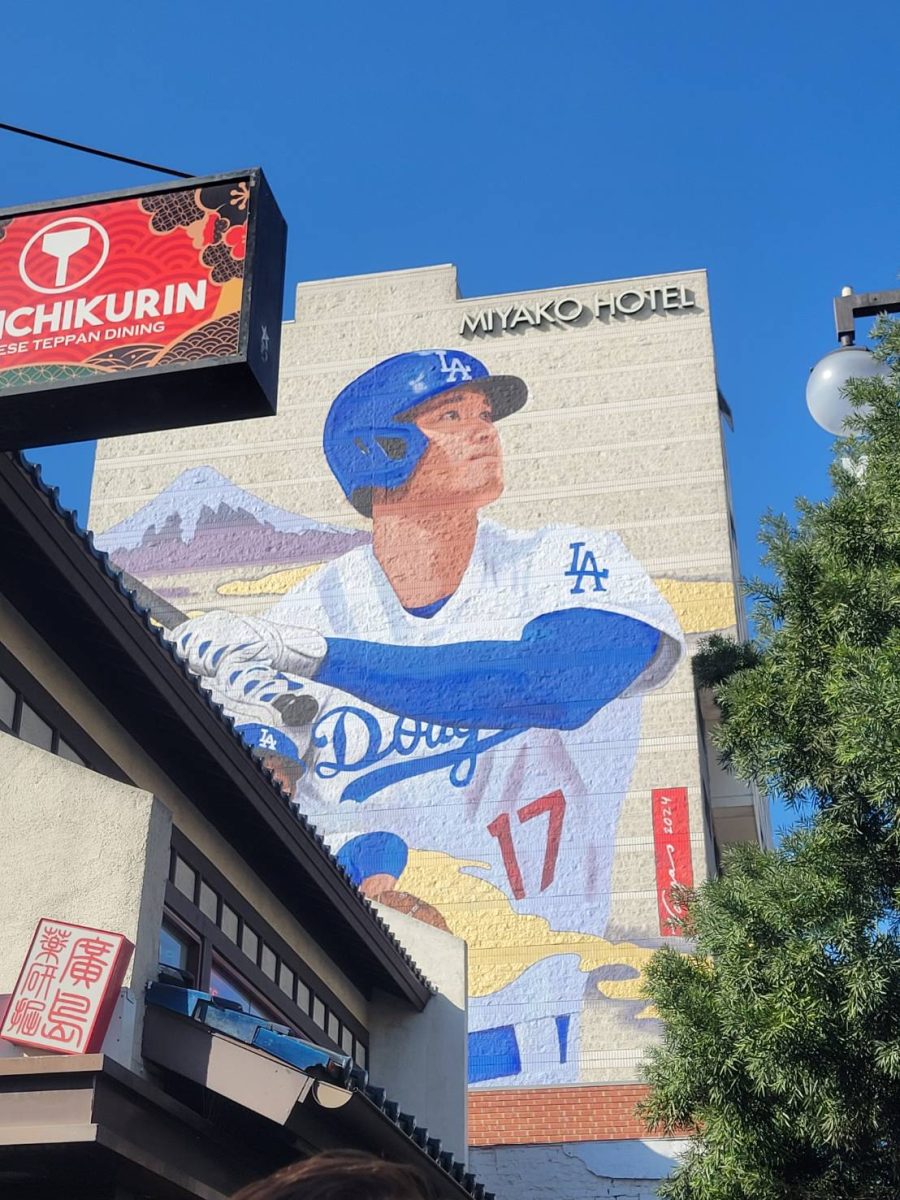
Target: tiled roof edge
(431,1146)
(32,472)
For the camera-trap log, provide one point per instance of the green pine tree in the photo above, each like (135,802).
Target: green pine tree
(781,1046)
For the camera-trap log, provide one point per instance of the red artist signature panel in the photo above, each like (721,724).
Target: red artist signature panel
(672,846)
(68,988)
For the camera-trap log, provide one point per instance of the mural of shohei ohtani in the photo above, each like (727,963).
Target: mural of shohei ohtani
(459,690)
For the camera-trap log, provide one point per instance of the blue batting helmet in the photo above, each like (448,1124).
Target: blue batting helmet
(368,444)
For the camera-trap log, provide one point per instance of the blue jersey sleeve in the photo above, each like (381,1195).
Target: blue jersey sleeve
(565,667)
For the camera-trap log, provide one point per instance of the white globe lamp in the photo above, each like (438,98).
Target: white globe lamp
(825,396)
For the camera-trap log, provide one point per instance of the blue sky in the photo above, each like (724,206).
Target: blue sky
(534,145)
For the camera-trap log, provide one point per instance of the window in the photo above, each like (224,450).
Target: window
(64,750)
(179,948)
(287,980)
(29,713)
(34,729)
(268,962)
(231,952)
(7,704)
(249,943)
(185,877)
(225,985)
(208,901)
(303,996)
(173,951)
(229,923)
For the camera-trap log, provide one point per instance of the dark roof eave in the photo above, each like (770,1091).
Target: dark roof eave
(252,804)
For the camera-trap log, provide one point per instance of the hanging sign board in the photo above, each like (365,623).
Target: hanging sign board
(67,989)
(140,310)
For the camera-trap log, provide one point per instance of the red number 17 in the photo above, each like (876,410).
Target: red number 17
(554,804)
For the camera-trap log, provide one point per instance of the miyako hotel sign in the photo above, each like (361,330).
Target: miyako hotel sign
(140,310)
(569,310)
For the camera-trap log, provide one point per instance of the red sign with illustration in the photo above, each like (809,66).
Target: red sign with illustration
(672,845)
(68,988)
(146,281)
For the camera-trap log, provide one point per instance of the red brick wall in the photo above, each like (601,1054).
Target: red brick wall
(540,1115)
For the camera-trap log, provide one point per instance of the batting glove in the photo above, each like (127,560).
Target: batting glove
(218,642)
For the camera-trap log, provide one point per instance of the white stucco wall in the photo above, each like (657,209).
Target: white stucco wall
(420,1058)
(86,849)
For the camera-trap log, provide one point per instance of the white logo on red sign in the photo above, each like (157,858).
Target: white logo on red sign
(63,255)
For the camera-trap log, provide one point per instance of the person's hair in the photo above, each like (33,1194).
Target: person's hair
(339,1175)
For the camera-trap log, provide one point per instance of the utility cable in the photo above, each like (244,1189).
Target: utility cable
(132,162)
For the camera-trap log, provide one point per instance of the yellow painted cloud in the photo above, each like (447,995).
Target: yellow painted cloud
(700,605)
(502,942)
(277,583)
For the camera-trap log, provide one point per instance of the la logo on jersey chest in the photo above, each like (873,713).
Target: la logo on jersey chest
(584,567)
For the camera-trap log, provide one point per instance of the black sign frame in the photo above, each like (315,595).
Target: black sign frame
(177,395)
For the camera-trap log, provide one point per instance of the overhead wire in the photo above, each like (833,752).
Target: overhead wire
(122,158)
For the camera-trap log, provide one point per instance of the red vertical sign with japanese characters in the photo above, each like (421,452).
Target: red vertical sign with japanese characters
(67,989)
(672,846)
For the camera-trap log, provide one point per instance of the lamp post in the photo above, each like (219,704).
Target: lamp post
(829,407)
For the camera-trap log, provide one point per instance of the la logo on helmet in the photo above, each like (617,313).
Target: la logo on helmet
(63,255)
(455,369)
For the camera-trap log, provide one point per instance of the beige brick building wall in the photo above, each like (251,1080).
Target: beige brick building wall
(621,432)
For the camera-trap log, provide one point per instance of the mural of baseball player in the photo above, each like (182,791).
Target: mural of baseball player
(457,688)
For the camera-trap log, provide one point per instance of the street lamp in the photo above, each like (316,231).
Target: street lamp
(829,407)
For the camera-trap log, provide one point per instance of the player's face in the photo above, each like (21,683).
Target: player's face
(462,463)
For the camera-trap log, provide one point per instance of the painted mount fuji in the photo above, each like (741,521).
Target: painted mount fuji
(202,521)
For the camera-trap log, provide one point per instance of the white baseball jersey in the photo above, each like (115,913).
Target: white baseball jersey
(535,806)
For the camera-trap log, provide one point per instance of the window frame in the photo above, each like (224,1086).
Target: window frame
(195,959)
(63,725)
(216,943)
(240,984)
